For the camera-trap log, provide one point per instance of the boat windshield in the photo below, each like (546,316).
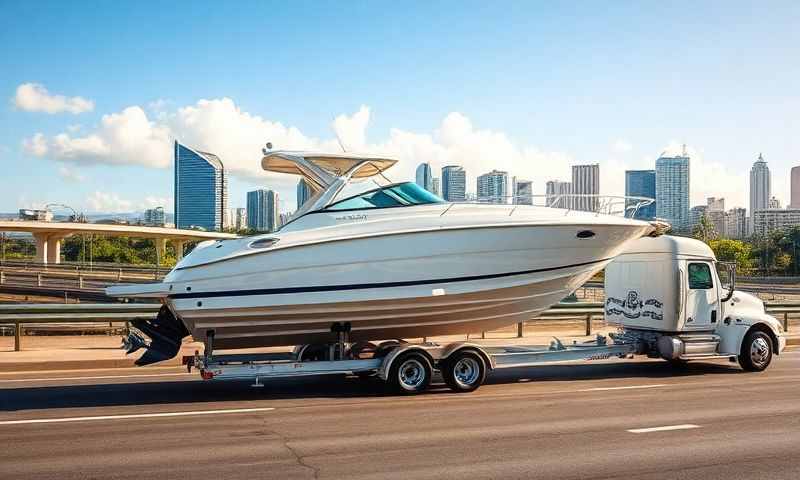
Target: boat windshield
(397,195)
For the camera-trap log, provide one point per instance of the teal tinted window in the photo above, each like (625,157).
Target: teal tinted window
(700,276)
(399,195)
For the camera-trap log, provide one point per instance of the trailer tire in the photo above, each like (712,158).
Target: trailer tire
(464,371)
(410,373)
(756,352)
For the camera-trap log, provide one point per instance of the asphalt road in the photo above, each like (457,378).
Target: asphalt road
(708,421)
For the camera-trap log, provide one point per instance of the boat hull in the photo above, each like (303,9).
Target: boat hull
(407,285)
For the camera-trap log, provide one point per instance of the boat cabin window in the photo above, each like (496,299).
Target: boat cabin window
(700,276)
(397,195)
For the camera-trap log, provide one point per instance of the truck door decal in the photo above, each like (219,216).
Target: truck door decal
(634,307)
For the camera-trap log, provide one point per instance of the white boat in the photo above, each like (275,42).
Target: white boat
(381,260)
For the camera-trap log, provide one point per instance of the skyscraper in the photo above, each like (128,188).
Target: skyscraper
(523,192)
(558,194)
(672,190)
(585,181)
(454,183)
(303,193)
(437,190)
(641,183)
(795,188)
(240,219)
(201,189)
(424,176)
(154,217)
(262,210)
(760,189)
(493,187)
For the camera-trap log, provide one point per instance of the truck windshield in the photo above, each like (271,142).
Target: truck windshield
(397,195)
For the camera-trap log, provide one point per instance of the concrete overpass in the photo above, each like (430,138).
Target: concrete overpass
(48,235)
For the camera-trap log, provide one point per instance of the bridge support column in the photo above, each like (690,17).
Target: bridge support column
(161,249)
(179,244)
(40,239)
(54,249)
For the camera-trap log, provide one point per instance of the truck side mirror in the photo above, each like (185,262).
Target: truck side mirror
(731,267)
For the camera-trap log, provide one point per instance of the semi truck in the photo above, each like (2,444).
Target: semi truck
(668,296)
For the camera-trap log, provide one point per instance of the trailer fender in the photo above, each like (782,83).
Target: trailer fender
(383,370)
(458,346)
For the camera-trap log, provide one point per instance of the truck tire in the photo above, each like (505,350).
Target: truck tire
(756,353)
(410,373)
(464,371)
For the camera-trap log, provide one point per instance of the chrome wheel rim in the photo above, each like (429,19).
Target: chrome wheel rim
(759,352)
(466,371)
(412,374)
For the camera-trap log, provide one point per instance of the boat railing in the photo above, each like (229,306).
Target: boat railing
(626,206)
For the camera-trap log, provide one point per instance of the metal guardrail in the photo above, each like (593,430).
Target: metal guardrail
(19,316)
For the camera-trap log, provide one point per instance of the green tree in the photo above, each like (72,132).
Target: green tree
(727,250)
(704,230)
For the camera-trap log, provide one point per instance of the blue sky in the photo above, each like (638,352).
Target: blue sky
(528,86)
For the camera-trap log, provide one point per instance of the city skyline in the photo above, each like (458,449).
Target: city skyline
(84,111)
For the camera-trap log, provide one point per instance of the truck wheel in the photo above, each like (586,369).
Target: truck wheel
(756,353)
(410,373)
(464,371)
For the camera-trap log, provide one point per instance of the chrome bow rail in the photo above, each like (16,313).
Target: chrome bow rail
(599,204)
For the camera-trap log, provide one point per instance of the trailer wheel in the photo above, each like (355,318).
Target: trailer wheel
(756,353)
(410,373)
(464,371)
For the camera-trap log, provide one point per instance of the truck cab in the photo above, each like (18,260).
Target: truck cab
(673,294)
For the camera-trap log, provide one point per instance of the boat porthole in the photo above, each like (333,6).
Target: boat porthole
(199,304)
(585,234)
(188,289)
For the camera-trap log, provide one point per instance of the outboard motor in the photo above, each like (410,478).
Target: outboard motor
(165,333)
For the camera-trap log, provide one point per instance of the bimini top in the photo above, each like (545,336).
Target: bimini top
(326,174)
(324,168)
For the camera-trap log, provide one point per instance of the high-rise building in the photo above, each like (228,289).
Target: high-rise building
(585,181)
(774,202)
(760,189)
(559,194)
(765,221)
(523,192)
(641,183)
(437,190)
(672,190)
(262,210)
(795,188)
(239,219)
(695,214)
(715,204)
(454,183)
(424,176)
(493,187)
(303,193)
(736,223)
(154,217)
(201,189)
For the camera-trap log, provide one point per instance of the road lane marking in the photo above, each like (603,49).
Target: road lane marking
(685,426)
(629,387)
(98,377)
(136,415)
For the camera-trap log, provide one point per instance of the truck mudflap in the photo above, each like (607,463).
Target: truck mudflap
(165,332)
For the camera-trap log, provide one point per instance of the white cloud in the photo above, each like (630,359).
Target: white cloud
(70,175)
(621,146)
(222,127)
(34,97)
(110,202)
(352,130)
(127,137)
(36,145)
